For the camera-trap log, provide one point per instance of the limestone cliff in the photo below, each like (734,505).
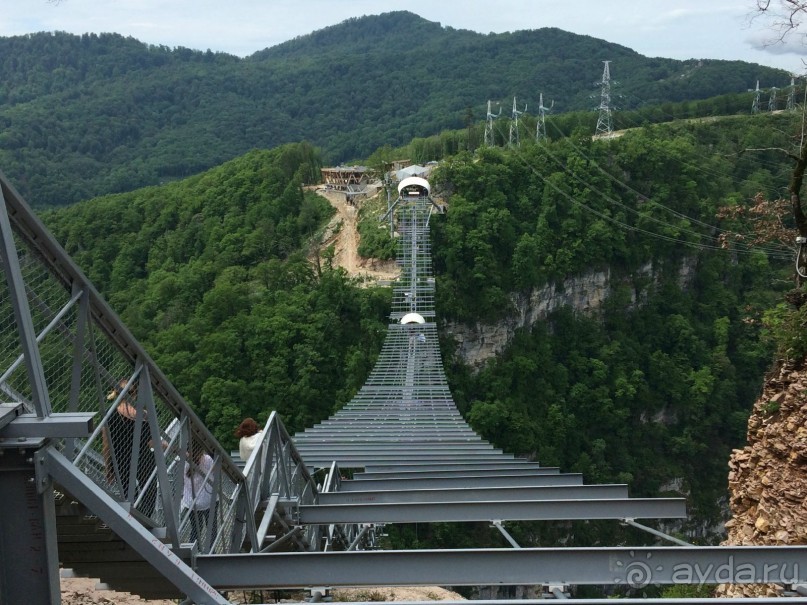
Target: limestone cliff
(768,477)
(584,294)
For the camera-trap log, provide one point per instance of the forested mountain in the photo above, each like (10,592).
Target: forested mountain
(86,115)
(654,389)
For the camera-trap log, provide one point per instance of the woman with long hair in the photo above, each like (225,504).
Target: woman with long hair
(249,436)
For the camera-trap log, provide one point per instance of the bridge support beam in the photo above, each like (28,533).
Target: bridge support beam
(29,557)
(470,482)
(621,566)
(480,494)
(514,510)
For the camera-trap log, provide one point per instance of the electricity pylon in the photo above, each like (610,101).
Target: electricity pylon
(489,138)
(514,140)
(755,102)
(604,123)
(540,128)
(791,95)
(772,99)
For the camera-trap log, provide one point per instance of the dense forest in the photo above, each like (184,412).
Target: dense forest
(667,371)
(212,274)
(82,116)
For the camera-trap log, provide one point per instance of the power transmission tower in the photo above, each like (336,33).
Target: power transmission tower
(791,95)
(514,140)
(540,128)
(772,99)
(604,123)
(489,138)
(755,102)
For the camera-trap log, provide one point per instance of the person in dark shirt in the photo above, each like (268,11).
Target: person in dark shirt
(119,441)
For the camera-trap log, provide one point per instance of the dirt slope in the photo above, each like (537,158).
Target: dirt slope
(343,233)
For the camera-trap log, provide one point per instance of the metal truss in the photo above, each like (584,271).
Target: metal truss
(92,411)
(89,404)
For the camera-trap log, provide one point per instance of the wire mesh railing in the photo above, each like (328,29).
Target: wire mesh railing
(148,447)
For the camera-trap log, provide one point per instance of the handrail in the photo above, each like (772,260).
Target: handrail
(89,351)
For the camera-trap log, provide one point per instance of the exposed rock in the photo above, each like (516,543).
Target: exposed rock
(84,591)
(768,477)
(584,294)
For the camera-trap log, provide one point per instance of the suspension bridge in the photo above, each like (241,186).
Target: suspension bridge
(105,469)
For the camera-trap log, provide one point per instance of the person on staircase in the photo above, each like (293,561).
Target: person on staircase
(249,437)
(197,494)
(119,450)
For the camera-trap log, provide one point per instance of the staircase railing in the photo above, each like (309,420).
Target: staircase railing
(148,445)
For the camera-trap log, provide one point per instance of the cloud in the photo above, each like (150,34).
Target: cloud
(794,43)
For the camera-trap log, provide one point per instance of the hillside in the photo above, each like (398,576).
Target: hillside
(82,116)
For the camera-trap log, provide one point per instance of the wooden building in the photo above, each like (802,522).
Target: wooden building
(345,178)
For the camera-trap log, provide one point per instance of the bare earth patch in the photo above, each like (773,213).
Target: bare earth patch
(343,233)
(82,591)
(396,593)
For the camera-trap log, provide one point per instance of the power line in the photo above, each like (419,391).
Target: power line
(714,245)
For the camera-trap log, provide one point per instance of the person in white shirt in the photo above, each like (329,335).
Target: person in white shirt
(249,437)
(197,493)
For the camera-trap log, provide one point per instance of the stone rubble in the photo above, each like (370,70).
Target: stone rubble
(768,477)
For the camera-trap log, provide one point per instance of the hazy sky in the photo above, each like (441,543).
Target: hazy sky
(679,29)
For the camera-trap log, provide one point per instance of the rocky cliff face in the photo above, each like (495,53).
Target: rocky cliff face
(584,294)
(768,477)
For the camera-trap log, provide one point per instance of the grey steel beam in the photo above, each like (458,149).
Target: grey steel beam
(355,461)
(501,467)
(620,566)
(380,431)
(75,424)
(461,472)
(8,412)
(513,510)
(490,494)
(394,441)
(471,482)
(10,261)
(471,448)
(400,420)
(370,437)
(423,451)
(29,557)
(452,424)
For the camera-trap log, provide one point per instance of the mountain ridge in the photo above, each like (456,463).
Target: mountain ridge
(82,116)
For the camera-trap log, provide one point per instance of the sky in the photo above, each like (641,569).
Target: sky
(678,29)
